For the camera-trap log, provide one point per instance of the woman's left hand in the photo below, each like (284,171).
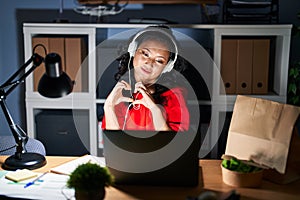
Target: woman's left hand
(158,117)
(147,99)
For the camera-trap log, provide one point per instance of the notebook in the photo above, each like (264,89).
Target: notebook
(20,175)
(162,158)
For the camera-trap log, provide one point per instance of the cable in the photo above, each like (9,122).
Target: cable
(129,75)
(126,116)
(39,45)
(129,80)
(131,93)
(1,151)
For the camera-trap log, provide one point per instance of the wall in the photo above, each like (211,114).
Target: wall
(15,12)
(11,49)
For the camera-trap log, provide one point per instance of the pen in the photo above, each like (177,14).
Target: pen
(33,181)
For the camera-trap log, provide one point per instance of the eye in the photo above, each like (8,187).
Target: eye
(160,61)
(145,53)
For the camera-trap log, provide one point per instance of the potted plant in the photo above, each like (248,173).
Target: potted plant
(294,84)
(293,93)
(241,173)
(89,181)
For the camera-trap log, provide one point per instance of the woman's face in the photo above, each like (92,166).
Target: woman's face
(149,61)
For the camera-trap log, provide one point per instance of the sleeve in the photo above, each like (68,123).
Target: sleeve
(103,125)
(178,117)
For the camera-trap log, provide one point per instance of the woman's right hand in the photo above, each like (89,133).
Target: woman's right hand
(116,95)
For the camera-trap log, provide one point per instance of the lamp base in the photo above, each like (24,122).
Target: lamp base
(28,160)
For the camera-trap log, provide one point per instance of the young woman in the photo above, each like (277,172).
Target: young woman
(147,73)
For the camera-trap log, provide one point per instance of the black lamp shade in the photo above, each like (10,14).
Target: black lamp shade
(55,87)
(54,83)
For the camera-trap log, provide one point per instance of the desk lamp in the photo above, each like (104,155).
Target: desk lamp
(53,84)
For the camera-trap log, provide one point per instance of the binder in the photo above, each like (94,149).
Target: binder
(228,64)
(260,68)
(38,72)
(75,54)
(72,52)
(244,66)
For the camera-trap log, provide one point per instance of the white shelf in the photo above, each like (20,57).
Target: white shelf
(219,103)
(283,37)
(84,101)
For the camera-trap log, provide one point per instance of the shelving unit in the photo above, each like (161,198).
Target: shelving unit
(88,100)
(78,100)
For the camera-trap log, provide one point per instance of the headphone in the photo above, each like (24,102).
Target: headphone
(132,47)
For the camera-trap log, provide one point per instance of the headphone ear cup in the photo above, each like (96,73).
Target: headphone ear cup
(168,67)
(132,48)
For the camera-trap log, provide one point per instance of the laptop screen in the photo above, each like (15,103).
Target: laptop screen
(152,158)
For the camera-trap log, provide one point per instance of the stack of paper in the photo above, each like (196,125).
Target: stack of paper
(69,167)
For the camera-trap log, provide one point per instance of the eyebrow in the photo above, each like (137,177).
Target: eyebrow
(145,48)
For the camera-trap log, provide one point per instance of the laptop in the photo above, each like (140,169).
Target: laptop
(164,158)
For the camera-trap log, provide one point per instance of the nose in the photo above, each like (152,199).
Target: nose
(150,62)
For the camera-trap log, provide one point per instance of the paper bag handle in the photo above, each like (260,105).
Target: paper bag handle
(277,108)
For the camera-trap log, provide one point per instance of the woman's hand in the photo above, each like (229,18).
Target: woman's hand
(146,99)
(158,118)
(116,96)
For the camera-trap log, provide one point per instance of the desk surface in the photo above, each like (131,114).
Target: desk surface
(210,179)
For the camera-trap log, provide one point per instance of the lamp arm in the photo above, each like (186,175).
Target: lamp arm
(36,59)
(19,134)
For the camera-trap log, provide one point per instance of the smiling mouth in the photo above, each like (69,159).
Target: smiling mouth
(146,71)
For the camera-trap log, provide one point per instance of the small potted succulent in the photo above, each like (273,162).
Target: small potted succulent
(89,181)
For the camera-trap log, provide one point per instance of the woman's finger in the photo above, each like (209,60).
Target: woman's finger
(125,99)
(143,92)
(127,85)
(139,85)
(137,102)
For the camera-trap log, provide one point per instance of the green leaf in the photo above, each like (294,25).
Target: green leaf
(294,72)
(239,166)
(295,100)
(292,88)
(291,73)
(226,163)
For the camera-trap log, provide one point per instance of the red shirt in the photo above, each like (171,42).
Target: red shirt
(139,117)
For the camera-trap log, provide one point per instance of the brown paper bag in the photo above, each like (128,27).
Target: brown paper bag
(261,130)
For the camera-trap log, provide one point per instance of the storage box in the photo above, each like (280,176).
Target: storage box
(64,132)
